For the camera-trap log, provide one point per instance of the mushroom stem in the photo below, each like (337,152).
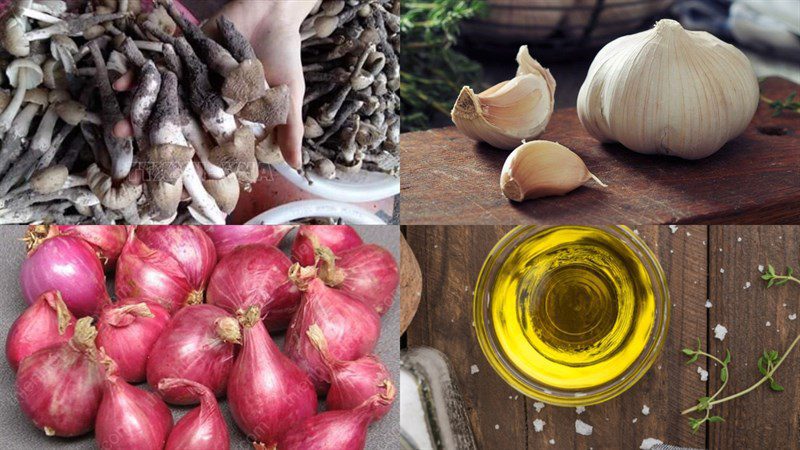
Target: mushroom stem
(120,149)
(78,195)
(150,46)
(13,142)
(133,53)
(8,115)
(59,139)
(202,147)
(37,14)
(143,101)
(168,153)
(38,146)
(203,208)
(71,27)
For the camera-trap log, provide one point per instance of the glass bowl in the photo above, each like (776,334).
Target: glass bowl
(523,383)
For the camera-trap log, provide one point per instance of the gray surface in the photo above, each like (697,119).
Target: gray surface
(19,433)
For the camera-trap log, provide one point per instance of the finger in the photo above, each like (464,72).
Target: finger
(125,82)
(123,129)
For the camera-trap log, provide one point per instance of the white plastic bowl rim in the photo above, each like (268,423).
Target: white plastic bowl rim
(359,187)
(303,209)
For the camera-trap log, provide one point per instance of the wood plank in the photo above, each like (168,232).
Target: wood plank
(449,179)
(451,258)
(763,418)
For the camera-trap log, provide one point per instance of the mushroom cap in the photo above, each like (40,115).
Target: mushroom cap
(225,191)
(14,36)
(245,83)
(50,179)
(71,112)
(64,43)
(55,77)
(166,162)
(24,73)
(164,198)
(113,197)
(37,96)
(270,110)
(57,96)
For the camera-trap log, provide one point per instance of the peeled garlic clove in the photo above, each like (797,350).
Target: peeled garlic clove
(669,91)
(541,169)
(510,112)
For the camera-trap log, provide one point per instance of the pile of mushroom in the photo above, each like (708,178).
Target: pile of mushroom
(199,112)
(352,72)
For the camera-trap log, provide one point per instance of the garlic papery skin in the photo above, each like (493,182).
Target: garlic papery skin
(512,111)
(669,91)
(541,169)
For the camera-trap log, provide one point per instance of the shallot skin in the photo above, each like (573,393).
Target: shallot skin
(350,327)
(202,428)
(191,347)
(255,275)
(143,272)
(267,393)
(338,238)
(188,245)
(356,381)
(69,265)
(60,387)
(130,418)
(227,238)
(108,240)
(127,335)
(368,272)
(45,323)
(330,430)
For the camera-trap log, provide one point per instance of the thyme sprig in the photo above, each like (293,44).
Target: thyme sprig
(779,106)
(774,279)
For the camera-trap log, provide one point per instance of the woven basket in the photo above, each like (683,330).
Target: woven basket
(561,25)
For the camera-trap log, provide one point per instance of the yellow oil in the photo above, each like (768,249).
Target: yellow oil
(572,307)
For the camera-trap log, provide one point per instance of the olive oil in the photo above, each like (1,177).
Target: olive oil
(572,308)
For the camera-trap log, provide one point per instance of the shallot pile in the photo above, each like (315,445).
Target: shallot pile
(194,314)
(199,112)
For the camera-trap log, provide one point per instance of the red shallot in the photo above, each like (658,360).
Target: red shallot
(130,418)
(338,238)
(59,387)
(367,272)
(198,345)
(354,382)
(107,240)
(350,327)
(255,275)
(267,393)
(228,237)
(202,428)
(127,331)
(167,264)
(46,322)
(69,265)
(334,430)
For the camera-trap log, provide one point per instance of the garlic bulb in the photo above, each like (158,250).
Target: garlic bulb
(668,91)
(508,113)
(543,168)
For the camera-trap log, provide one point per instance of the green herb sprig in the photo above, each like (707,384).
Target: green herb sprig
(779,106)
(768,364)
(774,279)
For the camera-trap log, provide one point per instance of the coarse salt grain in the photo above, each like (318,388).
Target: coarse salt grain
(768,323)
(538,425)
(538,406)
(497,427)
(792,316)
(635,419)
(583,428)
(746,285)
(649,443)
(645,410)
(552,441)
(720,332)
(703,374)
(739,239)
(761,268)
(688,234)
(473,369)
(721,270)
(673,228)
(708,304)
(580,409)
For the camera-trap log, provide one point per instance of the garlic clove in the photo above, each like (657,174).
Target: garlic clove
(512,111)
(541,169)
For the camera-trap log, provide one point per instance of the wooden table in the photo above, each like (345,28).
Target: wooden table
(449,179)
(693,258)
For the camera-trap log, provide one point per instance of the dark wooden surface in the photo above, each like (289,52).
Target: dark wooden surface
(449,179)
(451,257)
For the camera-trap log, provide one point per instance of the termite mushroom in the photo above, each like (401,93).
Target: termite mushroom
(13,142)
(23,74)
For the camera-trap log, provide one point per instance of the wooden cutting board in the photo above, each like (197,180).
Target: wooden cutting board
(754,179)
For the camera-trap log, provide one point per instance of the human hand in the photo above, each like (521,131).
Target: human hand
(273,29)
